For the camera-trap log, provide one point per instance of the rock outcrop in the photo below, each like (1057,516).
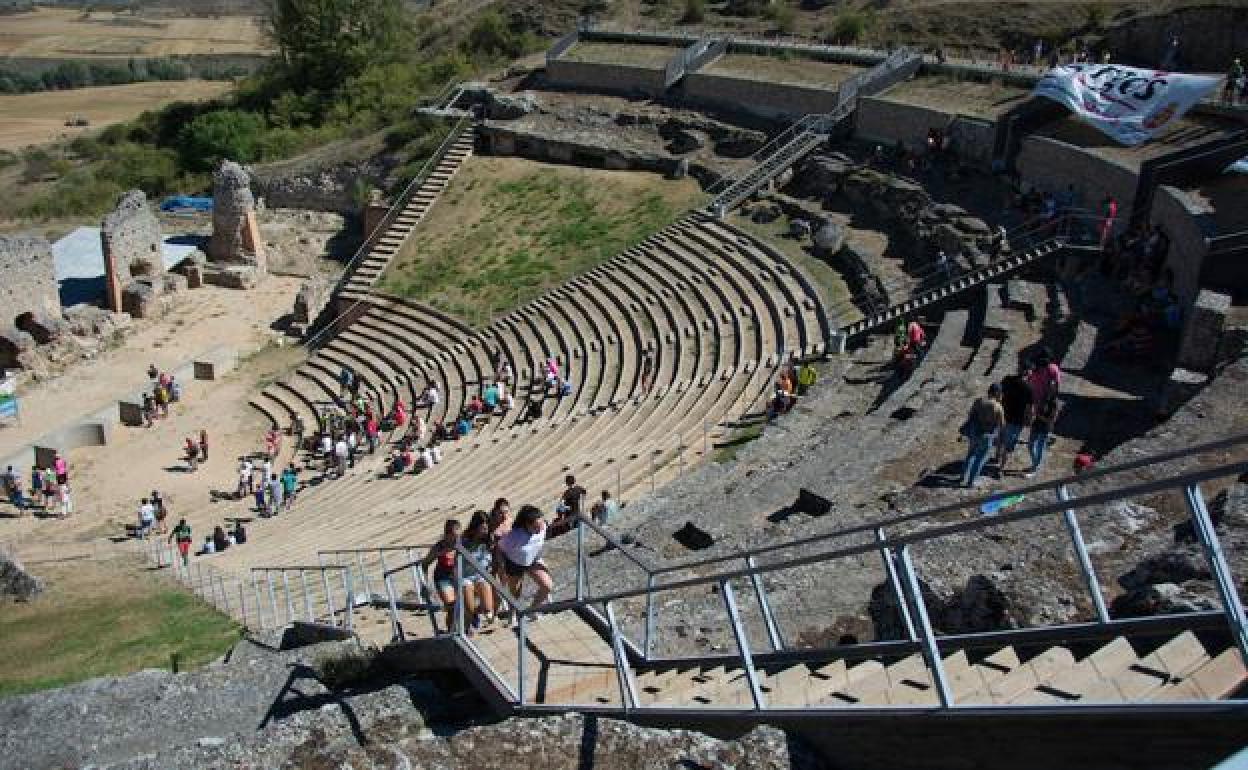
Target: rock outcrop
(15,581)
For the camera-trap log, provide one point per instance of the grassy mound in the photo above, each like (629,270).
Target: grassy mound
(507,230)
(104,619)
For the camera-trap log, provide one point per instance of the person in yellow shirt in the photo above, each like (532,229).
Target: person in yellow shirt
(806,376)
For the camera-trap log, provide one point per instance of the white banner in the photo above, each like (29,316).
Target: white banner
(1129,104)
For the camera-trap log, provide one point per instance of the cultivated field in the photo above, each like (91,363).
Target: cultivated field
(65,33)
(38,118)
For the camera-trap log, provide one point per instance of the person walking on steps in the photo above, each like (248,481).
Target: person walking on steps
(521,551)
(181,535)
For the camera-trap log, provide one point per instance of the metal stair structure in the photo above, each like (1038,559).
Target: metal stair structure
(810,131)
(1033,242)
(600,652)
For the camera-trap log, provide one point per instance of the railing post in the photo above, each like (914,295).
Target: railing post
(652,472)
(934,664)
(255,590)
(329,599)
(580,559)
(706,443)
(623,671)
(359,563)
(890,568)
(417,577)
(1081,554)
(647,643)
(242,602)
(268,576)
(680,454)
(348,600)
(1222,576)
(290,604)
(307,598)
(348,590)
(521,637)
(743,645)
(459,594)
(395,626)
(764,606)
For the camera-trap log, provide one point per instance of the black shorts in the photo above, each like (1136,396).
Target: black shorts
(519,570)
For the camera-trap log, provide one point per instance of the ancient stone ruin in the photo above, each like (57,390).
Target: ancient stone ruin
(134,271)
(28,295)
(235,253)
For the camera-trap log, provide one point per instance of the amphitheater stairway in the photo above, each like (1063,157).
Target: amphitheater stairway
(403,220)
(993,272)
(568,663)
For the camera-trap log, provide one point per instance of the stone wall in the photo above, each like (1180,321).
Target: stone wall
(27,279)
(1209,37)
(605,78)
(882,121)
(1188,224)
(1053,165)
(756,97)
(331,190)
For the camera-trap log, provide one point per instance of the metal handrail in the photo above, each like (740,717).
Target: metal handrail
(896,541)
(903,579)
(974,503)
(384,225)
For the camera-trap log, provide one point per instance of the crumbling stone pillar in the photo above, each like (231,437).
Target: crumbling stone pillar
(131,241)
(235,231)
(1198,345)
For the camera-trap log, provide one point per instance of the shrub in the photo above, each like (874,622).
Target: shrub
(849,27)
(1095,14)
(695,12)
(784,16)
(214,136)
(8,158)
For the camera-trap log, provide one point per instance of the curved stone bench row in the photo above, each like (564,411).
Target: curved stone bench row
(709,303)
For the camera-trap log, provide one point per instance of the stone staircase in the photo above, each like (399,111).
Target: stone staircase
(413,204)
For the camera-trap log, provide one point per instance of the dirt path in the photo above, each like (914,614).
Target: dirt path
(108,481)
(204,319)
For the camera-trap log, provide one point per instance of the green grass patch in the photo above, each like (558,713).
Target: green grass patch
(507,230)
(726,452)
(103,619)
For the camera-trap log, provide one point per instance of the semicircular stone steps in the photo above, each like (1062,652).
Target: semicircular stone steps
(718,311)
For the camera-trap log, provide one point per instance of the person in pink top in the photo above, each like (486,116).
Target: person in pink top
(1107,224)
(1045,377)
(61,468)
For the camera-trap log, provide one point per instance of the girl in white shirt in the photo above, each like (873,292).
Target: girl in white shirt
(520,551)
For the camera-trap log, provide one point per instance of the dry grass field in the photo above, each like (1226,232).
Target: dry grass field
(39,118)
(64,33)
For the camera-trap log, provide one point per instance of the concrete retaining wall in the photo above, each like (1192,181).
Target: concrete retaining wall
(757,97)
(1053,165)
(885,122)
(605,78)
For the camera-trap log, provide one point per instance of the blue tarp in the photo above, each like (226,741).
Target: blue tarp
(180,202)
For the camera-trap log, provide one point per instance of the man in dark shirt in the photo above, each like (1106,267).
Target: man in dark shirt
(1017,402)
(569,508)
